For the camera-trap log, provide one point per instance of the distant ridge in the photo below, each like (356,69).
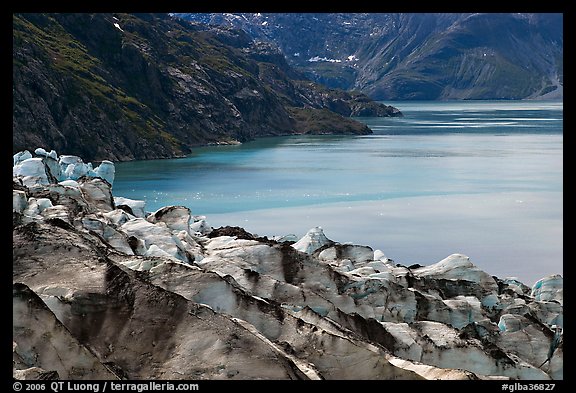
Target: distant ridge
(417,56)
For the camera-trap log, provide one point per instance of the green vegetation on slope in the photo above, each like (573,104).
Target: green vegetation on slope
(139,86)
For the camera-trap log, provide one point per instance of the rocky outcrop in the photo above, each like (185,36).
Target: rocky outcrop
(121,296)
(142,86)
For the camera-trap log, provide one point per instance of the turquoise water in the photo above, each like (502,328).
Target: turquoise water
(459,172)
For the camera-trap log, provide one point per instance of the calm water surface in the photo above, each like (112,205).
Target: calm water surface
(483,179)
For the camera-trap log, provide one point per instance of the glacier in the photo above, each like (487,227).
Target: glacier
(118,292)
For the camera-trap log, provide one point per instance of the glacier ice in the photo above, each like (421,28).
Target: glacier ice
(137,206)
(21,156)
(106,170)
(313,240)
(48,167)
(32,171)
(549,288)
(330,310)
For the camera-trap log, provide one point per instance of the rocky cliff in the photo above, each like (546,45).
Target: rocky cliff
(142,86)
(417,56)
(103,289)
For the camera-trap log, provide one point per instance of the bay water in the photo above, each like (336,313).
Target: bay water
(480,178)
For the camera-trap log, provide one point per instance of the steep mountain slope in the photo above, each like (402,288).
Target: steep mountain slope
(418,55)
(142,86)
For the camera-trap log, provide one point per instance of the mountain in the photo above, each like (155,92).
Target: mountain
(417,56)
(144,86)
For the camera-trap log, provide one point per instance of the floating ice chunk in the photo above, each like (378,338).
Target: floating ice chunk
(106,171)
(21,156)
(313,240)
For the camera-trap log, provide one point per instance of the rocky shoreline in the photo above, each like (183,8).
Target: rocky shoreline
(103,289)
